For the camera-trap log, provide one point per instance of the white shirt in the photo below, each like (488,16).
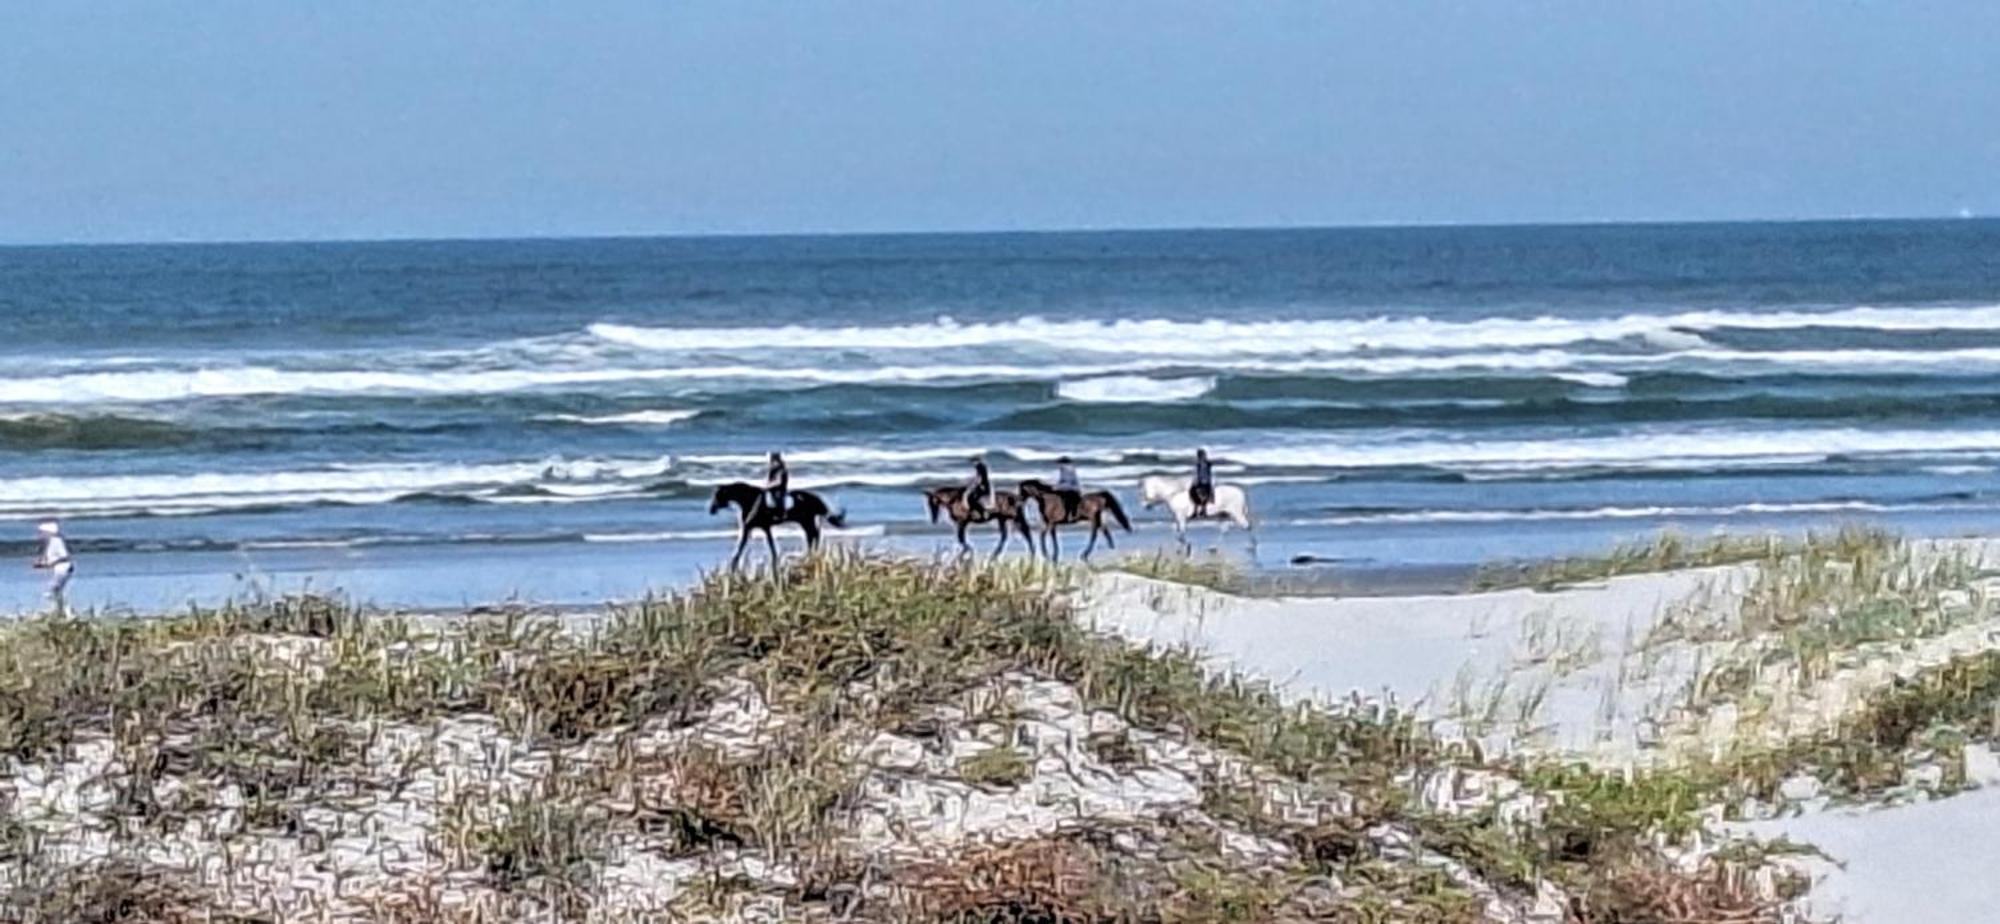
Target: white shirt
(54,551)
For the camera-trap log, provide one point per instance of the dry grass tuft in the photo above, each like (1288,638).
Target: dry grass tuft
(1669,551)
(1211,571)
(1071,880)
(1643,889)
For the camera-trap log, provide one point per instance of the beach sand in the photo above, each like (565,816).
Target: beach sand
(1562,651)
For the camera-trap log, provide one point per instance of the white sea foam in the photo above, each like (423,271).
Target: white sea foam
(556,480)
(1418,517)
(1591,368)
(1123,389)
(1959,469)
(1694,449)
(659,418)
(1095,360)
(1677,331)
(1595,379)
(551,481)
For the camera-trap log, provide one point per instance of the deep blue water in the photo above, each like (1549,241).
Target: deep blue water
(548,416)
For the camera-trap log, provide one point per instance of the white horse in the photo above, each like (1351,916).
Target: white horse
(1230,505)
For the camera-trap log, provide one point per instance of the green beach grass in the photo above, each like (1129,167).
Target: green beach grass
(243,725)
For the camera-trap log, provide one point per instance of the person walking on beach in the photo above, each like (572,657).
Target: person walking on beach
(54,558)
(978,488)
(777,485)
(1202,492)
(1068,487)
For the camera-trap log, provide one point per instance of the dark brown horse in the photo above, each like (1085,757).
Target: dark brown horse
(1006,509)
(1090,508)
(752,513)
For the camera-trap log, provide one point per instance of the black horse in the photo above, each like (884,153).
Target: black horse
(1091,508)
(752,513)
(1006,509)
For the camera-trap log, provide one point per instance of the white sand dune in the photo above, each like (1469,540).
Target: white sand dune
(1928,862)
(1431,650)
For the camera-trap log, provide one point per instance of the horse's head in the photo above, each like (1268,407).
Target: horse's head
(1151,492)
(718,500)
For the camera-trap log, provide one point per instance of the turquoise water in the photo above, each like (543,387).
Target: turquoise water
(442,422)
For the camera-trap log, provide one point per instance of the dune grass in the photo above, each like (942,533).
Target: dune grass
(1212,571)
(1668,551)
(1822,604)
(288,702)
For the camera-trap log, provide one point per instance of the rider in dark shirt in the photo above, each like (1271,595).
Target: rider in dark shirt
(1067,487)
(979,488)
(777,485)
(1202,492)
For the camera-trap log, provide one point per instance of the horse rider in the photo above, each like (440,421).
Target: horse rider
(978,488)
(1067,487)
(777,485)
(1202,491)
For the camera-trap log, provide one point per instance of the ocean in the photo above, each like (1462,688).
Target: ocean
(438,423)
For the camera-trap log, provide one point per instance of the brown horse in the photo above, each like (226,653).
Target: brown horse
(1006,509)
(1090,508)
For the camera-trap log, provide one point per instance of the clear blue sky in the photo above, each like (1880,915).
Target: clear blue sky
(269,120)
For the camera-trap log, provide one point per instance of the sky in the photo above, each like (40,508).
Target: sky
(223,120)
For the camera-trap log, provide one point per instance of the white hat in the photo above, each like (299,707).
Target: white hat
(49,528)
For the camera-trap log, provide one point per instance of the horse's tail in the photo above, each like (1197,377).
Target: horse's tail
(1111,504)
(931,503)
(809,505)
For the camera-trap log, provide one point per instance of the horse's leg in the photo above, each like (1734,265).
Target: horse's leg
(1095,526)
(772,542)
(812,534)
(963,546)
(1001,546)
(1055,543)
(742,539)
(1242,518)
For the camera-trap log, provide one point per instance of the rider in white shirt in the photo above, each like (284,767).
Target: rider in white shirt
(1068,487)
(55,559)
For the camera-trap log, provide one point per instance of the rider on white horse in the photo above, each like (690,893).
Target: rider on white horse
(1202,491)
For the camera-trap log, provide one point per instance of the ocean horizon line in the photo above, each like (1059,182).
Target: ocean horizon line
(1076,230)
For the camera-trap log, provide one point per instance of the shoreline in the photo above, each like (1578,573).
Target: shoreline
(577,573)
